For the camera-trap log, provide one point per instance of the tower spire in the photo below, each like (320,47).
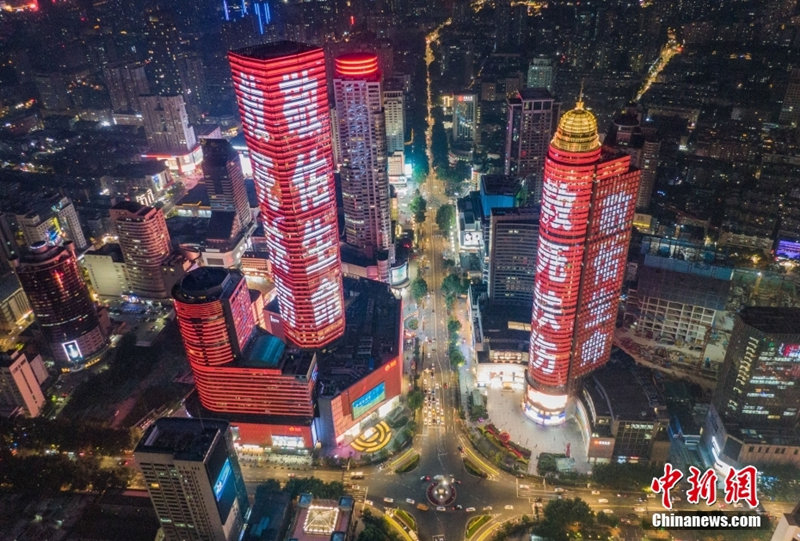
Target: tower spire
(579,105)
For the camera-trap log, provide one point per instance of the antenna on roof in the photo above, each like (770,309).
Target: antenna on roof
(579,105)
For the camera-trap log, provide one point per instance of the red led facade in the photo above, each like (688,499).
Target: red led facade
(217,326)
(357,65)
(283,101)
(587,211)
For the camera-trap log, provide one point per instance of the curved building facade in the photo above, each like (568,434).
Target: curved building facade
(588,202)
(283,102)
(236,369)
(60,300)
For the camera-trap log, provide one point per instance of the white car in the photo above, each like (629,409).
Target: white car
(602,500)
(509,507)
(469,510)
(639,509)
(487,508)
(595,492)
(608,511)
(558,489)
(410,501)
(440,508)
(388,500)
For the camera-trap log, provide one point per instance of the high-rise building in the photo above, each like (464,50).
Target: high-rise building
(283,102)
(19,385)
(145,244)
(60,300)
(628,135)
(541,73)
(790,108)
(52,218)
(166,125)
(362,136)
(532,118)
(465,117)
(194,479)
(584,229)
(163,48)
(757,385)
(224,180)
(394,103)
(513,236)
(126,81)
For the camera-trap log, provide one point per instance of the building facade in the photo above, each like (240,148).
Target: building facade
(532,117)
(166,125)
(362,139)
(126,81)
(145,244)
(541,73)
(466,111)
(283,102)
(20,388)
(513,237)
(585,224)
(394,104)
(194,479)
(60,300)
(224,180)
(50,219)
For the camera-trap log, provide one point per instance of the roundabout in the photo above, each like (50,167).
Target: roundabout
(442,491)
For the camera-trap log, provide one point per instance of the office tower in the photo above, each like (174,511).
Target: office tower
(238,369)
(20,389)
(166,125)
(283,102)
(9,250)
(394,109)
(628,135)
(145,244)
(757,385)
(14,306)
(362,136)
(532,118)
(790,108)
(60,300)
(224,180)
(513,237)
(584,228)
(541,73)
(193,478)
(51,219)
(193,85)
(163,48)
(465,117)
(126,81)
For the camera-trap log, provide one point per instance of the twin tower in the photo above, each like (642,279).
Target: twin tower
(587,208)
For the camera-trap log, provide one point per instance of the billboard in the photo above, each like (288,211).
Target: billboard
(363,403)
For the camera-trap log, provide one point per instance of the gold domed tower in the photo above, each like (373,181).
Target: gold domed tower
(588,200)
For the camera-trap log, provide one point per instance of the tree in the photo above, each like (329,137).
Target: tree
(452,287)
(453,326)
(413,324)
(456,357)
(446,218)
(419,288)
(415,399)
(418,207)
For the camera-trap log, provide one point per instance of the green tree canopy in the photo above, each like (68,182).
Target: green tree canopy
(418,207)
(419,288)
(446,218)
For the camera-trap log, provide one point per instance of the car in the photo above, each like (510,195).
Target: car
(368,502)
(602,500)
(458,507)
(422,507)
(524,486)
(457,481)
(292,475)
(539,499)
(460,449)
(487,508)
(509,507)
(595,492)
(440,508)
(608,511)
(469,510)
(357,475)
(558,489)
(425,478)
(388,500)
(639,509)
(410,501)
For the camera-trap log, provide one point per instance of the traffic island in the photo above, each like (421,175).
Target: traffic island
(442,492)
(408,465)
(475,524)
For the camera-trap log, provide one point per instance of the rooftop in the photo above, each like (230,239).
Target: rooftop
(624,390)
(772,320)
(535,94)
(112,250)
(277,49)
(577,131)
(185,439)
(206,284)
(500,185)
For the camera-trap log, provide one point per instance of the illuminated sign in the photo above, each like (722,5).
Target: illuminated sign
(288,442)
(399,274)
(790,350)
(222,479)
(72,351)
(788,249)
(369,399)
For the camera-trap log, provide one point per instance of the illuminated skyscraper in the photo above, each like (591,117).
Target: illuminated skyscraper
(51,279)
(126,81)
(283,103)
(584,229)
(194,480)
(145,244)
(362,137)
(394,105)
(465,117)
